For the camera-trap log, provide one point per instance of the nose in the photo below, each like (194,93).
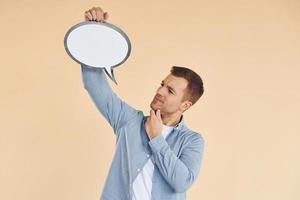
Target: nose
(160,92)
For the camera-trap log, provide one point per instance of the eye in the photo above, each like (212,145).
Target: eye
(170,91)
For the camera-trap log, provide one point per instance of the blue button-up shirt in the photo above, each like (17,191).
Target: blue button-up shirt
(177,159)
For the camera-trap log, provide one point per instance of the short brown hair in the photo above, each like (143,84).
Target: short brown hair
(194,89)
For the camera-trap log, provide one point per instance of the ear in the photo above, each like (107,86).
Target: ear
(185,105)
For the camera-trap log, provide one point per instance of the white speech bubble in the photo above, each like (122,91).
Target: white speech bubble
(98,44)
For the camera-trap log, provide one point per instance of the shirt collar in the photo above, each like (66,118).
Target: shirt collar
(180,124)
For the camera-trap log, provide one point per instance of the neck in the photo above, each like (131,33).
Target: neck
(171,120)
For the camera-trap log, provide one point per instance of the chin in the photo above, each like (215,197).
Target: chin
(153,107)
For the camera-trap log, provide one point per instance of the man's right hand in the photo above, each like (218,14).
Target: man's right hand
(95,14)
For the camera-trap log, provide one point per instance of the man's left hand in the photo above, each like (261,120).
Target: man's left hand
(153,124)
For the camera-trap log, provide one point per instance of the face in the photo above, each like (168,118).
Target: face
(169,96)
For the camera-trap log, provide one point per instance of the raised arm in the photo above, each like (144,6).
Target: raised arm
(116,111)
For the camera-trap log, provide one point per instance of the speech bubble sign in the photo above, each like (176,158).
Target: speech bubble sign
(98,44)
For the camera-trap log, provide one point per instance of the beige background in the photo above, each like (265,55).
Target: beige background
(54,144)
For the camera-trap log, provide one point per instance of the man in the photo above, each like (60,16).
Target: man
(157,157)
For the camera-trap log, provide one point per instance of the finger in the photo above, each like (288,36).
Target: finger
(158,115)
(99,17)
(99,14)
(152,113)
(147,123)
(88,15)
(106,16)
(94,15)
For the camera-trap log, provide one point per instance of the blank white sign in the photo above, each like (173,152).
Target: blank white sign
(98,44)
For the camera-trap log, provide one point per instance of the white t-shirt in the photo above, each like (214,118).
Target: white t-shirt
(142,185)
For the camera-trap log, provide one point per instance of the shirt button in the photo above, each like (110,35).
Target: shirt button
(148,155)
(138,169)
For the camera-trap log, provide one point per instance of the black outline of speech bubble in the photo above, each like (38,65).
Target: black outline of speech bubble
(102,24)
